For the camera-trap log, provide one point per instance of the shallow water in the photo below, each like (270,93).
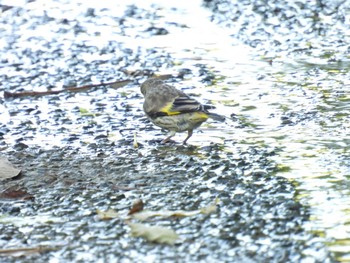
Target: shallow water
(298,105)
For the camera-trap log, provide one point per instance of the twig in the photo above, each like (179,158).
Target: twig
(115,84)
(38,249)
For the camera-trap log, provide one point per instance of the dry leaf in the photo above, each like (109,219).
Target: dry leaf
(208,209)
(146,214)
(136,145)
(155,234)
(106,215)
(15,193)
(137,206)
(7,170)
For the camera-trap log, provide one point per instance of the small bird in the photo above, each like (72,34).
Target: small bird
(173,110)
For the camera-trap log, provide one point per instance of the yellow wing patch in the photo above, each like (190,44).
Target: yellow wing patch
(199,116)
(194,116)
(167,109)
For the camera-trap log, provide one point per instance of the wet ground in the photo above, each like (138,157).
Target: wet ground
(276,169)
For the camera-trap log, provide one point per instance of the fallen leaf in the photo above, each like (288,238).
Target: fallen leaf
(106,215)
(136,145)
(15,193)
(7,170)
(155,234)
(86,112)
(209,209)
(145,214)
(137,206)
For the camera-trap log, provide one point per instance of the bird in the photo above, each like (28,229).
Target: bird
(173,110)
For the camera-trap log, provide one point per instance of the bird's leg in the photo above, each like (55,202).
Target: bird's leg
(171,134)
(190,132)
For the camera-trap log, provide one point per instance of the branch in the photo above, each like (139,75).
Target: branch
(115,85)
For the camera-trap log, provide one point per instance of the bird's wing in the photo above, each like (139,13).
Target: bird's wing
(181,104)
(165,100)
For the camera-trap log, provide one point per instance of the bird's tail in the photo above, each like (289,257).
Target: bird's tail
(216,117)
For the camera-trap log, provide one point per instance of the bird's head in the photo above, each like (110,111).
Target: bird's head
(151,82)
